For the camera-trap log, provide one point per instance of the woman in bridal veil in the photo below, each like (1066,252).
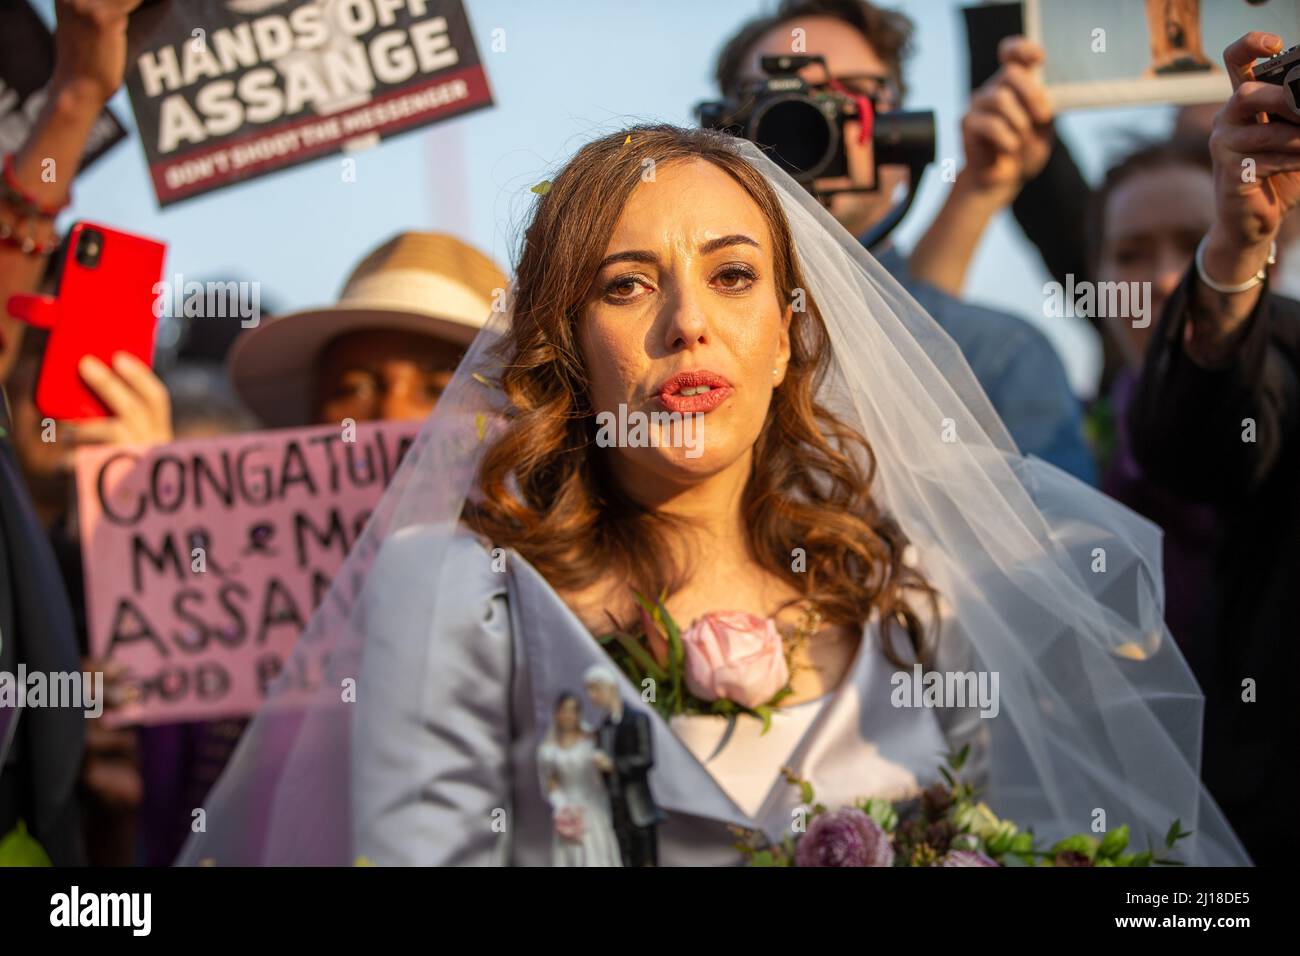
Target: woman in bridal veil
(849,464)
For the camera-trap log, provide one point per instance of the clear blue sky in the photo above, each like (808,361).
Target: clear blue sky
(571,69)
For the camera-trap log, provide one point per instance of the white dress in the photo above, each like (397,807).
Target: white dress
(744,758)
(580,785)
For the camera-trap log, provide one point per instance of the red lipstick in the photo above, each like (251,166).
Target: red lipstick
(696,391)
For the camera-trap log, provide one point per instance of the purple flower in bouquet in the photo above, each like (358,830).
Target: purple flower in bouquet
(966,858)
(844,837)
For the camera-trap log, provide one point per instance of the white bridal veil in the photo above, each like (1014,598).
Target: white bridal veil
(1053,585)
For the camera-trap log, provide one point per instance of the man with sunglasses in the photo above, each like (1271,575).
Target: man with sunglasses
(863,47)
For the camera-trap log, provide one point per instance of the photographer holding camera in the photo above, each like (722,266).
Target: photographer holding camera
(843,60)
(1216,417)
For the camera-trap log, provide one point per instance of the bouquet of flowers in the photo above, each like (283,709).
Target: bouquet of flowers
(570,823)
(945,826)
(727,662)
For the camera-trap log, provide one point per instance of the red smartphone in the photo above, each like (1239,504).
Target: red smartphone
(104,304)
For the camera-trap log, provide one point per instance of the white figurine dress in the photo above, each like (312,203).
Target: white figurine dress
(580,787)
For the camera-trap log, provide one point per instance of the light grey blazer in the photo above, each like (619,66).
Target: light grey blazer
(458,681)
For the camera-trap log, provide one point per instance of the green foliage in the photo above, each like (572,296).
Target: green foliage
(1113,844)
(1176,833)
(18,848)
(882,811)
(1079,843)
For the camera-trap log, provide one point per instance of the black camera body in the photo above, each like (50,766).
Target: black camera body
(802,128)
(1283,70)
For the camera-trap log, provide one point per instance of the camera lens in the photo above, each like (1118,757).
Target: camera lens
(89,246)
(798,135)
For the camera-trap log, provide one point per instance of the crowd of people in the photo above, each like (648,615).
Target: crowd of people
(1165,435)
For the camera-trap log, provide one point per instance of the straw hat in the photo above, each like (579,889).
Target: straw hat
(415,282)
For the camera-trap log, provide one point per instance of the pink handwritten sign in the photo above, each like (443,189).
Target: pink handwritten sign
(204,559)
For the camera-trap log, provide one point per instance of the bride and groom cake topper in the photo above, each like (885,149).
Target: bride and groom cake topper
(597,780)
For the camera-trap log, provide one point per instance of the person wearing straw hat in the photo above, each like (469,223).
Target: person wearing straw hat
(385,350)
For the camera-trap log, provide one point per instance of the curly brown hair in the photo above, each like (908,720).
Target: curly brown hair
(545,489)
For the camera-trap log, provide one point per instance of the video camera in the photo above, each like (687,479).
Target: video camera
(801,127)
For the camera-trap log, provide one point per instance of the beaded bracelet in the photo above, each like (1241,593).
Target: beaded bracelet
(26,208)
(27,244)
(15,195)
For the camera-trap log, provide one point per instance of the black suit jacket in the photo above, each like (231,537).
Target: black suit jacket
(629,746)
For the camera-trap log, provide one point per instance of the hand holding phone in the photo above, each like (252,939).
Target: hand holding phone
(140,409)
(104,306)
